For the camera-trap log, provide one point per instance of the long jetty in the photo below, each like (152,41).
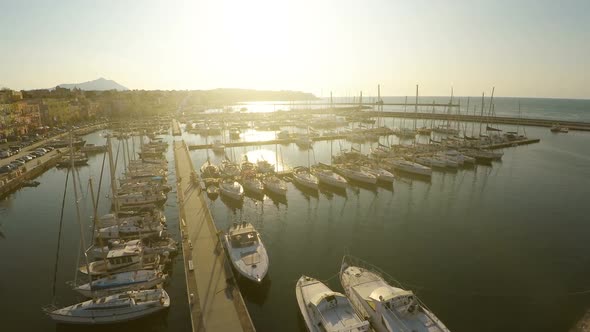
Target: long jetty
(336,137)
(216,303)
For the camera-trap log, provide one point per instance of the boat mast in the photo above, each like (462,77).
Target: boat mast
(78,218)
(482,106)
(416,108)
(113,178)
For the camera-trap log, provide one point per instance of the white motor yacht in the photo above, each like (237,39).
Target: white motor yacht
(246,251)
(388,308)
(324,310)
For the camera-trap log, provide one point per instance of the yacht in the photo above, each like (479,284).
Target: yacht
(246,251)
(324,310)
(388,308)
(229,169)
(264,166)
(130,258)
(275,185)
(252,184)
(231,189)
(122,282)
(409,167)
(380,173)
(113,308)
(556,128)
(303,177)
(355,173)
(329,177)
(209,170)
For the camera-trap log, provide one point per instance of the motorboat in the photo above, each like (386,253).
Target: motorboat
(231,189)
(246,251)
(324,310)
(556,128)
(122,282)
(386,305)
(111,309)
(79,159)
(129,258)
(275,185)
(303,177)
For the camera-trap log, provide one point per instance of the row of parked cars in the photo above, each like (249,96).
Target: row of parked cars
(21,161)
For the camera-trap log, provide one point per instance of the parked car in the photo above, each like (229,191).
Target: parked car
(38,153)
(16,163)
(32,156)
(5,169)
(50,148)
(42,150)
(4,154)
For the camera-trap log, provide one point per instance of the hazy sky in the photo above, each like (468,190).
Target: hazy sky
(523,48)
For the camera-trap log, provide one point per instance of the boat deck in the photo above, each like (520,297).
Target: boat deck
(215,301)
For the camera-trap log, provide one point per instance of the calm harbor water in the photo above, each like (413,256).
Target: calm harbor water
(500,248)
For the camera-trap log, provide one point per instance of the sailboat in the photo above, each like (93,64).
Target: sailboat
(122,282)
(302,176)
(116,308)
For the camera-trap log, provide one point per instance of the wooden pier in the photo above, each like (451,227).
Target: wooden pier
(216,303)
(176,128)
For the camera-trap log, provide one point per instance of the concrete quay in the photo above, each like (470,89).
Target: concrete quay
(216,303)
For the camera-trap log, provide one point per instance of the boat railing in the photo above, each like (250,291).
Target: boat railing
(350,260)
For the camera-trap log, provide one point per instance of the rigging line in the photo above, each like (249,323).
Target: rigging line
(61,218)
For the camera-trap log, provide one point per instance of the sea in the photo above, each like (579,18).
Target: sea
(502,247)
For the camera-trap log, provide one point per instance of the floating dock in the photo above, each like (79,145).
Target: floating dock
(216,303)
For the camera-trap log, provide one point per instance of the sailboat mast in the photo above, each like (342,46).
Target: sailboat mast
(482,106)
(416,108)
(113,178)
(79,219)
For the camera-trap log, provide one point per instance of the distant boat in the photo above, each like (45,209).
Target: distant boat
(113,308)
(246,251)
(386,305)
(209,170)
(556,128)
(324,310)
(252,184)
(408,167)
(355,173)
(212,192)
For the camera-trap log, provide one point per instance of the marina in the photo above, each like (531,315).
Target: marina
(375,208)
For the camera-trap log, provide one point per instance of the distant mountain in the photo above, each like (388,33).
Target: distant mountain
(100,84)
